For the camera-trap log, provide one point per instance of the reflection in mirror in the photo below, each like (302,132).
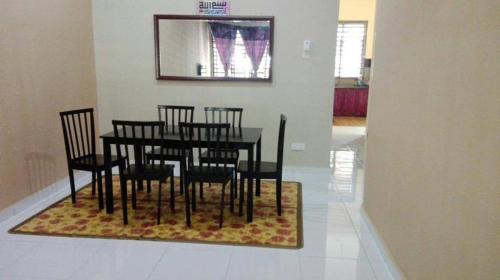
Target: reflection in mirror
(235,48)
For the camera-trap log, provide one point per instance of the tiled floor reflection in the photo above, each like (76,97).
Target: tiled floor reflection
(336,243)
(342,164)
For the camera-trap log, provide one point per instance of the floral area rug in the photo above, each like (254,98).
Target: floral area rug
(85,220)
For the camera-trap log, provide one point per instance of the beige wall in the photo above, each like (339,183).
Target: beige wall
(433,157)
(47,65)
(301,88)
(360,10)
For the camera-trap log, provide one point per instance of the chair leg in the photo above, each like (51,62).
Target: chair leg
(242,196)
(193,192)
(201,190)
(100,196)
(221,217)
(172,192)
(158,214)
(257,185)
(186,201)
(72,184)
(123,188)
(231,195)
(278,195)
(181,177)
(235,182)
(93,182)
(134,196)
(148,182)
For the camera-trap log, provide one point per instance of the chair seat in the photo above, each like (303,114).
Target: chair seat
(228,156)
(267,169)
(148,172)
(87,162)
(166,154)
(212,174)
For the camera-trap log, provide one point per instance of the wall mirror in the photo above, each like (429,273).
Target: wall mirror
(213,48)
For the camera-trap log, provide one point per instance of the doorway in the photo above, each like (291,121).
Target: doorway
(353,63)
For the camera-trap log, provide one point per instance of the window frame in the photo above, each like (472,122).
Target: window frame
(363,54)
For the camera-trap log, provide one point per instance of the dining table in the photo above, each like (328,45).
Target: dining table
(248,139)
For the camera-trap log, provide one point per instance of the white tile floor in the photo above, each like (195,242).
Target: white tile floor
(337,245)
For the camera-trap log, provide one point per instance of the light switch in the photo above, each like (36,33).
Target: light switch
(307,45)
(298,146)
(306,49)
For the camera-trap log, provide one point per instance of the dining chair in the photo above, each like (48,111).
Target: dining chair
(172,115)
(232,116)
(79,141)
(195,137)
(132,135)
(268,170)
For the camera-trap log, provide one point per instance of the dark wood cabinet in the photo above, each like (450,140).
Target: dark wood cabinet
(352,102)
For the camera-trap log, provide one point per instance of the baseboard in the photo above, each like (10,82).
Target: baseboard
(58,188)
(382,247)
(306,169)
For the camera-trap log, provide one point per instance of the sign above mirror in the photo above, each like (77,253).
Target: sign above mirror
(213,8)
(213,48)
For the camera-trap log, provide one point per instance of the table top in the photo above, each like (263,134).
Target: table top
(249,135)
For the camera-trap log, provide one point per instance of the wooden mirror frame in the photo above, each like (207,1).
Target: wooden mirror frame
(159,76)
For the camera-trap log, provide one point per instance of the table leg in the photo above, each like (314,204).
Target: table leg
(250,185)
(257,167)
(108,175)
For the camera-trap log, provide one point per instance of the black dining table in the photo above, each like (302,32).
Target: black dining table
(246,139)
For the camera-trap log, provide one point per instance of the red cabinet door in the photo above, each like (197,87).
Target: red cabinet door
(350,102)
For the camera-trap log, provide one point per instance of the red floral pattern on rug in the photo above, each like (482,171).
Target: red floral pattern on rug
(85,220)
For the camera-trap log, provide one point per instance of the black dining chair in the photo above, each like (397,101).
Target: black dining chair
(232,116)
(172,115)
(196,137)
(79,141)
(132,135)
(268,170)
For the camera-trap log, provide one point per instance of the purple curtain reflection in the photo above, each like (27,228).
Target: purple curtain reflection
(255,39)
(224,38)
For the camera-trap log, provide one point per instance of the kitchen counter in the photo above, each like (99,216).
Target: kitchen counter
(351,86)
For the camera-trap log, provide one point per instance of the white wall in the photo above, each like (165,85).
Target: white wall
(180,46)
(204,48)
(193,49)
(301,88)
(173,51)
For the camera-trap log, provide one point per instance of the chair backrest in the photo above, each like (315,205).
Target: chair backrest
(225,115)
(281,143)
(79,133)
(199,137)
(172,115)
(140,137)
